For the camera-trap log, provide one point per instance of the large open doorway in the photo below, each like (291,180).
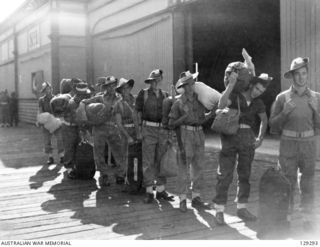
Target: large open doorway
(220,29)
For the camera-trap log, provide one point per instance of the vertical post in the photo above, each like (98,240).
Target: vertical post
(16,56)
(89,50)
(188,40)
(55,51)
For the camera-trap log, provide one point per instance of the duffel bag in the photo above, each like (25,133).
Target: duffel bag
(59,103)
(208,97)
(93,115)
(274,201)
(84,163)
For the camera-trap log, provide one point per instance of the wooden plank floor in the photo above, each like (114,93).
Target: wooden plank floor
(38,202)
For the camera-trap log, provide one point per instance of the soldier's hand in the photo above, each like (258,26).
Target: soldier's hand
(185,108)
(313,103)
(233,78)
(130,140)
(258,142)
(37,124)
(139,136)
(288,107)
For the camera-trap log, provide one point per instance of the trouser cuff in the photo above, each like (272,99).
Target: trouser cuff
(183,197)
(149,189)
(160,188)
(195,194)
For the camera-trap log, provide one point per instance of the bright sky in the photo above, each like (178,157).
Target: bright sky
(8,7)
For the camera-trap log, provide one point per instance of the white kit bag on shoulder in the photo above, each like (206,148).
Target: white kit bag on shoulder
(207,95)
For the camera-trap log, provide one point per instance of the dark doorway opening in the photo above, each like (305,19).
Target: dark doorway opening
(220,29)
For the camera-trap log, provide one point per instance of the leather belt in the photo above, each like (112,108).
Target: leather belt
(128,125)
(67,123)
(304,134)
(244,126)
(193,128)
(152,124)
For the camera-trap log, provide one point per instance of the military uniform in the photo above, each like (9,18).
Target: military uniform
(154,136)
(192,138)
(108,133)
(297,143)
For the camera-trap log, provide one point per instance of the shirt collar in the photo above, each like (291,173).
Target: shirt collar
(184,98)
(306,92)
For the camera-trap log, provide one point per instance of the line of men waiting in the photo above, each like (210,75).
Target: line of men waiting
(8,109)
(153,117)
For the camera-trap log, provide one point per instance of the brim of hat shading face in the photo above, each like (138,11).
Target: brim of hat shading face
(129,82)
(108,84)
(185,82)
(288,74)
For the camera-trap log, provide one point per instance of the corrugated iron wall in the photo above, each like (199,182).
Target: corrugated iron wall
(133,51)
(300,36)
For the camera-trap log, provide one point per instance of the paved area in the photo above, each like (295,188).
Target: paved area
(38,202)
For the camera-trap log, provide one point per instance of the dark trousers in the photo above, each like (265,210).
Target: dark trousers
(71,138)
(239,146)
(14,118)
(299,154)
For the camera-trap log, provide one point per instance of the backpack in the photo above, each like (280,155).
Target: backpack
(274,201)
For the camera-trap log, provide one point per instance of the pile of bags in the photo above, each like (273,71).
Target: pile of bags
(60,103)
(91,114)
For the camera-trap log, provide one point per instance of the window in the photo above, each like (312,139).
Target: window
(4,51)
(34,38)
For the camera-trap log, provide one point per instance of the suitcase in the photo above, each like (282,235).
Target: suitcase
(274,201)
(84,165)
(134,175)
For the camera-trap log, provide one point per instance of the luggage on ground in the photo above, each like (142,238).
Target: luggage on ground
(274,200)
(84,162)
(134,174)
(207,95)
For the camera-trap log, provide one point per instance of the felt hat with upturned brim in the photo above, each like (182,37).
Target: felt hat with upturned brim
(155,74)
(296,63)
(263,77)
(45,85)
(185,78)
(123,82)
(106,81)
(82,88)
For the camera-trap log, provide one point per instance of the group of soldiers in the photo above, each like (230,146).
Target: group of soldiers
(8,109)
(153,117)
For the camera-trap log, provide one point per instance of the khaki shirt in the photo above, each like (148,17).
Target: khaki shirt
(196,111)
(301,119)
